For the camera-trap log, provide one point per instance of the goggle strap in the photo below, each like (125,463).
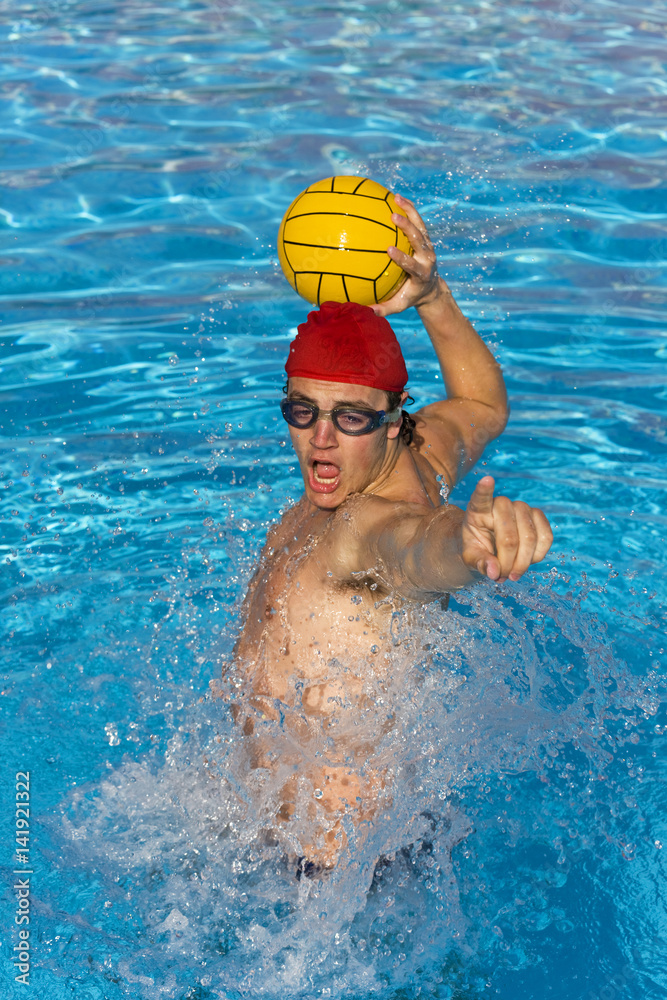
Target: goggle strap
(389,418)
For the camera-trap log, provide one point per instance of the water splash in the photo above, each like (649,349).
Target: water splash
(500,699)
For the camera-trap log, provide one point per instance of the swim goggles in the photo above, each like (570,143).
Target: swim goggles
(346,419)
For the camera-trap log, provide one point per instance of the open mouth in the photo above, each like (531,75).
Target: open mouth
(324,476)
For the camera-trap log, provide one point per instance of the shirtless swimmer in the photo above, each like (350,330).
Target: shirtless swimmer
(371,527)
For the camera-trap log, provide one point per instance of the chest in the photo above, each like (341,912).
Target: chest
(289,569)
(295,600)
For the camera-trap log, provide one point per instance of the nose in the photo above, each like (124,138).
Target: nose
(324,434)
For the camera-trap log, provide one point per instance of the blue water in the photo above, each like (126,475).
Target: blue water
(148,153)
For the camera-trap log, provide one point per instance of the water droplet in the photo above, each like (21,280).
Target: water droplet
(444,489)
(112,734)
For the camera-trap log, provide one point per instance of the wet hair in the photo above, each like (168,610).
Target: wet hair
(408,423)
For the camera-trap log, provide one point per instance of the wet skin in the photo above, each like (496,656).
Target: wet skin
(301,616)
(370,535)
(316,642)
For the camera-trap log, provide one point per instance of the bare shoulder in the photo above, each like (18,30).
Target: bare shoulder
(453,433)
(437,436)
(286,525)
(280,536)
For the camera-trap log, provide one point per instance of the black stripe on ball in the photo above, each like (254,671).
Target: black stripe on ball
(323,246)
(349,215)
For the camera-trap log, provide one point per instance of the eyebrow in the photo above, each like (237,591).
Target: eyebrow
(360,403)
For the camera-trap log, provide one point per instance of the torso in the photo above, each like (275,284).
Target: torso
(308,636)
(314,657)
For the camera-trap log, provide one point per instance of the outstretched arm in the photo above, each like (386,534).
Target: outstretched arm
(453,432)
(418,552)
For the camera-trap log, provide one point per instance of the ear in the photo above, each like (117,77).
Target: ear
(394,428)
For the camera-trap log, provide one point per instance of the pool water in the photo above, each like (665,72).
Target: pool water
(149,152)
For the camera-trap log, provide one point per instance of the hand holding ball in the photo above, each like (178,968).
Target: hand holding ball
(332,242)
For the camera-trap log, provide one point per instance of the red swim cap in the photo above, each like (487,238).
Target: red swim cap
(346,342)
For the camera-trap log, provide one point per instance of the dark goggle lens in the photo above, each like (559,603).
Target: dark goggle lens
(298,414)
(354,421)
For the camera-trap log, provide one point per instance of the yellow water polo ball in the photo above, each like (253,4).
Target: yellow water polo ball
(332,242)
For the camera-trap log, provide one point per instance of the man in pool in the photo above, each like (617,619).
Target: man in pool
(371,533)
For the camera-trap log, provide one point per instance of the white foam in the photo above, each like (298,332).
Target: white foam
(472,694)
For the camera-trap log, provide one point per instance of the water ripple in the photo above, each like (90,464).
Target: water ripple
(148,154)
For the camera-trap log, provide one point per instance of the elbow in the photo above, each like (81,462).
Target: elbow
(491,416)
(496,419)
(489,424)
(502,415)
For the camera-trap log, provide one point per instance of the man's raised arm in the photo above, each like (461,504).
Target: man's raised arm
(452,433)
